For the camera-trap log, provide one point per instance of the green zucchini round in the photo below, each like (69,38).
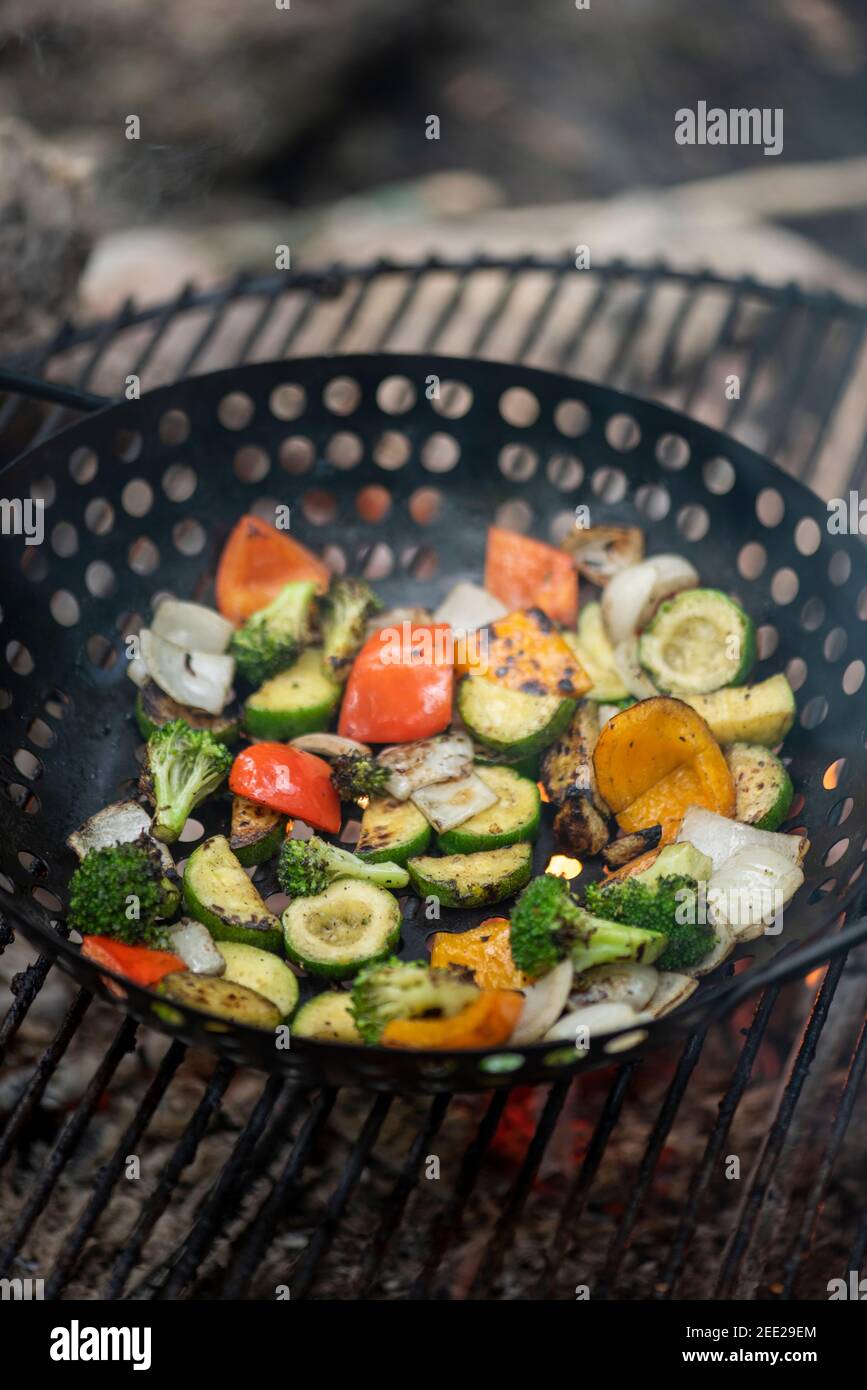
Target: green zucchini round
(763,787)
(700,640)
(300,700)
(153,709)
(392,831)
(335,933)
(513,723)
(327,1017)
(473,880)
(211,994)
(515,816)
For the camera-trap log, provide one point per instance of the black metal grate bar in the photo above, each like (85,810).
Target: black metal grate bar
(42,1073)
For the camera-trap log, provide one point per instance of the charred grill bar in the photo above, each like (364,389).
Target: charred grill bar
(611,1179)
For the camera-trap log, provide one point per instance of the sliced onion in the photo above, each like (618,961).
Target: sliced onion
(725,944)
(194,944)
(619,983)
(720,838)
(598,1019)
(468,607)
(630,670)
(420,764)
(202,680)
(632,596)
(448,804)
(544,1001)
(118,824)
(672,990)
(329,745)
(192,626)
(749,890)
(138,672)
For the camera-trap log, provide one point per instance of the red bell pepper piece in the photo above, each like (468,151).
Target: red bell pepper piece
(525,573)
(400,685)
(141,964)
(289,780)
(257,562)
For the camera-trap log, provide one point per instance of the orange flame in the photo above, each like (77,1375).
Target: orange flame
(561,866)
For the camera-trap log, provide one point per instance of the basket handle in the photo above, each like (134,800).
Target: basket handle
(798,963)
(52,393)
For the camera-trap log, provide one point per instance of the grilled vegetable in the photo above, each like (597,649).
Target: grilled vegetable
(600,552)
(392,830)
(222,998)
(719,838)
(450,804)
(118,824)
(400,686)
(141,964)
(511,722)
(762,713)
(594,1020)
(486,1022)
(698,641)
(582,823)
(668,904)
(358,775)
(397,989)
(633,595)
(182,767)
(288,780)
(200,680)
(596,655)
(620,983)
(307,867)
(430,760)
(257,831)
(327,1018)
(548,926)
(751,888)
(524,651)
(485,950)
(672,990)
(526,573)
(472,880)
(763,787)
(219,893)
(468,607)
(628,847)
(257,562)
(338,931)
(346,609)
(261,971)
(656,759)
(122,891)
(326,745)
(544,1002)
(191,626)
(296,701)
(275,636)
(514,816)
(154,708)
(192,941)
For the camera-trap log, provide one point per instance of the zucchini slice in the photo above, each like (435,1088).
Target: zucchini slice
(213,994)
(763,787)
(257,831)
(336,932)
(698,641)
(219,893)
(596,655)
(511,721)
(300,700)
(261,971)
(392,830)
(514,817)
(327,1017)
(153,709)
(761,713)
(473,880)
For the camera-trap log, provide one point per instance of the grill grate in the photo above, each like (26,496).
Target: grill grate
(262,1184)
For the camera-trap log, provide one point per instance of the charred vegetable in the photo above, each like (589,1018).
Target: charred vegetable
(763,787)
(600,552)
(257,831)
(154,708)
(472,880)
(122,891)
(307,867)
(392,830)
(357,775)
(583,821)
(622,852)
(548,926)
(398,989)
(336,932)
(182,766)
(347,606)
(219,893)
(274,637)
(211,994)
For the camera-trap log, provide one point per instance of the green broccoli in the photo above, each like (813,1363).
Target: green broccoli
(120,891)
(396,988)
(669,905)
(547,925)
(181,768)
(357,774)
(347,606)
(306,867)
(274,638)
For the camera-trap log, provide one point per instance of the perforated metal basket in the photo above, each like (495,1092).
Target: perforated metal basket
(394,466)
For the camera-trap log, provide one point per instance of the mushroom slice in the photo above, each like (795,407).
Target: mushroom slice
(601,552)
(618,983)
(672,990)
(329,745)
(121,823)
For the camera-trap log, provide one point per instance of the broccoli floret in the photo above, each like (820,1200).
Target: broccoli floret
(357,774)
(273,638)
(547,925)
(406,989)
(347,606)
(181,768)
(120,891)
(670,905)
(306,867)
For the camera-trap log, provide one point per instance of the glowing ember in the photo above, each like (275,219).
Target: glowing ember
(814,979)
(561,866)
(833,774)
(363,802)
(544,795)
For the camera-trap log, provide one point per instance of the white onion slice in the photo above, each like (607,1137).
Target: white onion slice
(751,888)
(619,983)
(672,990)
(448,804)
(544,1001)
(720,838)
(468,606)
(630,670)
(725,944)
(138,672)
(598,1019)
(429,760)
(194,944)
(192,626)
(202,680)
(632,596)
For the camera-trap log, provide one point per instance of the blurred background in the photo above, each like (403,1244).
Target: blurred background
(306,126)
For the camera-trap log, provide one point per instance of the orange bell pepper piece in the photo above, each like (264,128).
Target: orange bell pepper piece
(656,759)
(256,563)
(524,651)
(525,573)
(488,1021)
(486,950)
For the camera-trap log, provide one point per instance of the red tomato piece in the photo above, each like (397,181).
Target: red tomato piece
(290,780)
